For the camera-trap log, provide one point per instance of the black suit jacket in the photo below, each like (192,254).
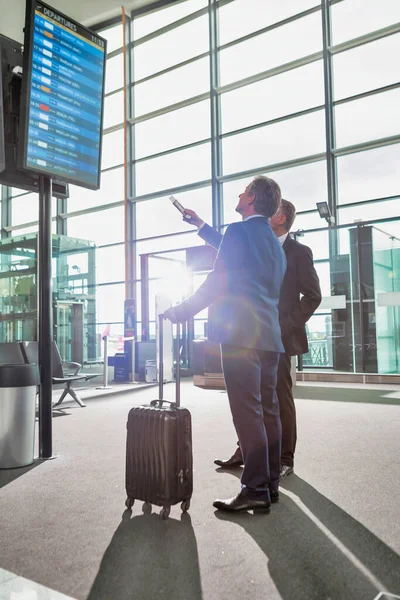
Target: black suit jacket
(300,292)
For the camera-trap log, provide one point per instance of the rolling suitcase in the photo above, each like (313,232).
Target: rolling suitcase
(159,465)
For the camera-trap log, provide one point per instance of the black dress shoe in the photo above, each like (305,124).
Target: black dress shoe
(274,496)
(285,471)
(242,503)
(233,462)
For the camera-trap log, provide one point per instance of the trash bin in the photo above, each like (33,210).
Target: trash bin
(18,387)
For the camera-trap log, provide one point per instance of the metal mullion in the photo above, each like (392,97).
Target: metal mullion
(286,21)
(113,128)
(113,168)
(362,202)
(352,225)
(381,90)
(329,116)
(164,235)
(365,39)
(129,174)
(114,92)
(6,211)
(88,211)
(62,207)
(170,27)
(170,108)
(173,150)
(294,64)
(175,190)
(104,246)
(298,162)
(172,68)
(300,113)
(114,53)
(388,141)
(107,24)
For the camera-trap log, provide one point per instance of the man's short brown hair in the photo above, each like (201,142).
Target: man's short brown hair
(267,195)
(288,209)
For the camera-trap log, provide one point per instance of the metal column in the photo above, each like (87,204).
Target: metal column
(216,153)
(45,318)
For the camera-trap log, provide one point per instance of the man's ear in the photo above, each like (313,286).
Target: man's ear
(252,199)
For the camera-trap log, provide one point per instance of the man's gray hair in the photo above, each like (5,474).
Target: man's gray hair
(267,195)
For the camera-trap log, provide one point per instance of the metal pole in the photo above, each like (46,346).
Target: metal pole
(144,292)
(133,357)
(45,319)
(361,297)
(105,367)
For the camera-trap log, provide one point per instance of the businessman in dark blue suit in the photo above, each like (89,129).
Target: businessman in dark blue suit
(244,289)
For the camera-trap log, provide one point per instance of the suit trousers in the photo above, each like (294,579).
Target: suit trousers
(250,379)
(287,410)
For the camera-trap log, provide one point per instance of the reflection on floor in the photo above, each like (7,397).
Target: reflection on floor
(13,587)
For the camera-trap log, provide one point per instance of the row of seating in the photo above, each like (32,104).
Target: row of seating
(63,371)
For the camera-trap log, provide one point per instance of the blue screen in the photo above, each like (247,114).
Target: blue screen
(65,101)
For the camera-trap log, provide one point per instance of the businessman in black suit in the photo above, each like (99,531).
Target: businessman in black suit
(300,297)
(244,289)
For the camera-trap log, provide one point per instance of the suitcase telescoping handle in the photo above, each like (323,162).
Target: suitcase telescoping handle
(161,363)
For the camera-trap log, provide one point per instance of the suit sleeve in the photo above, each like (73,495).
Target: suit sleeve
(230,258)
(210,236)
(309,288)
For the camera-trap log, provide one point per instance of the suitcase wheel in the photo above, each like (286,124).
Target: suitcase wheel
(129,502)
(164,514)
(146,508)
(185,506)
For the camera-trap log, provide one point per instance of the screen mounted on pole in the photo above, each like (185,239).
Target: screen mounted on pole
(62,97)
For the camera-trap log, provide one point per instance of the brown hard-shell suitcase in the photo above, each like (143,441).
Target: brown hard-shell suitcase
(159,464)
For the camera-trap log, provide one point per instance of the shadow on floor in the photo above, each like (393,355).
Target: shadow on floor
(150,558)
(7,476)
(335,394)
(307,562)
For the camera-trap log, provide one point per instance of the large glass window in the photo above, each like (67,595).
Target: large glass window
(304,186)
(366,67)
(114,110)
(242,17)
(171,48)
(172,87)
(159,217)
(173,129)
(101,227)
(369,212)
(372,15)
(271,49)
(110,303)
(275,143)
(173,170)
(368,119)
(273,97)
(111,190)
(146,24)
(25,209)
(110,264)
(114,73)
(113,149)
(368,175)
(114,37)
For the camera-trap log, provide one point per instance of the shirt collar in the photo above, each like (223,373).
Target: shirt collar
(282,238)
(253,217)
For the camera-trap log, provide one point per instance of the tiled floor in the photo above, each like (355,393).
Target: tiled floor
(13,587)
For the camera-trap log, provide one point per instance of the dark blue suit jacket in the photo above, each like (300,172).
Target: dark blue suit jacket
(243,288)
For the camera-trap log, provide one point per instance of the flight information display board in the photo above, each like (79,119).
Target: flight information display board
(62,97)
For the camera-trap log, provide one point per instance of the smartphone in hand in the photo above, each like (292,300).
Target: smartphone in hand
(179,206)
